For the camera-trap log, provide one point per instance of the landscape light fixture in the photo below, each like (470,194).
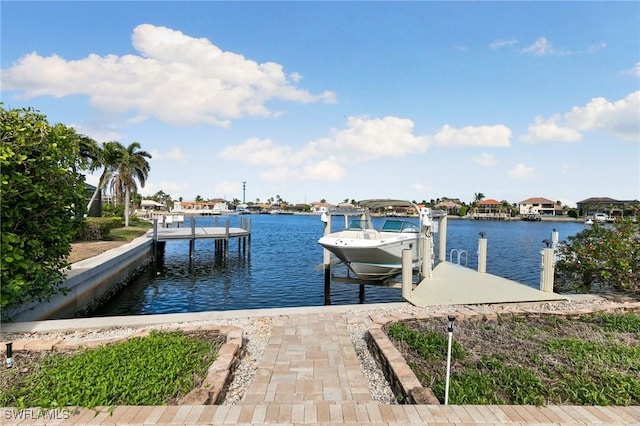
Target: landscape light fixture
(450,330)
(482,234)
(547,242)
(9,361)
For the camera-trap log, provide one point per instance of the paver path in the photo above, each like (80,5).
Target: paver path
(309,358)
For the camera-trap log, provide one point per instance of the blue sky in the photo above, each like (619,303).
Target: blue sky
(343,100)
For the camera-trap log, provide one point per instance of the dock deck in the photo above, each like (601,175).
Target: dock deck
(214,232)
(452,284)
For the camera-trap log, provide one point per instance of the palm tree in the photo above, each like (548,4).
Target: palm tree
(107,157)
(133,165)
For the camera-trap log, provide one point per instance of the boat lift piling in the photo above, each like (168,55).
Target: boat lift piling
(482,253)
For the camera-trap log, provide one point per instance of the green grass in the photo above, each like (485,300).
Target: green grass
(591,360)
(136,228)
(150,370)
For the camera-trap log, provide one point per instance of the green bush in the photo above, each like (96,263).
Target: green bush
(110,210)
(98,228)
(599,258)
(43,203)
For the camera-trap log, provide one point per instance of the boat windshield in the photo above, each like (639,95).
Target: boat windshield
(399,226)
(357,225)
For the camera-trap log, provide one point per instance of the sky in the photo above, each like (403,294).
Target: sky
(343,100)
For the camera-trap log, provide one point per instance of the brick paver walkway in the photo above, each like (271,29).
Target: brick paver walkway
(309,358)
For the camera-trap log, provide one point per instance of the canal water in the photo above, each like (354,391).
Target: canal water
(283,268)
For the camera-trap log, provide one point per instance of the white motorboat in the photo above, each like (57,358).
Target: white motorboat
(375,254)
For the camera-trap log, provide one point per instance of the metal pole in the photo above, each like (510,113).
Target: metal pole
(450,329)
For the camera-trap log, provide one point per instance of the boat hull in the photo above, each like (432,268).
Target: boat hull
(372,259)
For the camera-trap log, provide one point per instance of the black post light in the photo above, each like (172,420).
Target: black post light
(450,330)
(9,361)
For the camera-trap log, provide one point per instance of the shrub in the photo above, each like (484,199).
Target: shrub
(601,257)
(43,200)
(98,228)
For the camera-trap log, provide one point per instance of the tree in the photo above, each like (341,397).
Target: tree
(478,197)
(107,157)
(43,205)
(131,167)
(601,257)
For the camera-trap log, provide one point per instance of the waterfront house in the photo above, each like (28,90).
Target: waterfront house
(614,208)
(451,207)
(541,206)
(490,209)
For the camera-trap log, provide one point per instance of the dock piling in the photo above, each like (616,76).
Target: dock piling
(482,253)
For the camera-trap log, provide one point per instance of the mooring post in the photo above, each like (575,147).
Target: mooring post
(442,238)
(407,274)
(482,253)
(547,269)
(427,248)
(155,238)
(192,241)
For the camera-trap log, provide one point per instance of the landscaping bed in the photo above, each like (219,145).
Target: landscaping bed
(160,368)
(542,359)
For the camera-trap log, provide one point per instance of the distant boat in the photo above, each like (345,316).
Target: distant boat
(375,254)
(532,217)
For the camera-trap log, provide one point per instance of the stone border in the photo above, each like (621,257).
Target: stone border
(214,386)
(404,382)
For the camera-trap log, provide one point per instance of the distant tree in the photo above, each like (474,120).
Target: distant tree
(478,197)
(43,204)
(199,199)
(322,200)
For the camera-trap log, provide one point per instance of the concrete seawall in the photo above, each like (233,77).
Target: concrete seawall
(89,280)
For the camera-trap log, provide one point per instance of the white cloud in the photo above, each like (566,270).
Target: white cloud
(549,130)
(176,78)
(255,151)
(367,139)
(362,139)
(620,118)
(635,70)
(421,187)
(502,43)
(174,154)
(543,47)
(521,171)
(492,136)
(596,47)
(485,160)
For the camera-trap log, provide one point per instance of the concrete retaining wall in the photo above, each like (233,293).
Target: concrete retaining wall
(89,280)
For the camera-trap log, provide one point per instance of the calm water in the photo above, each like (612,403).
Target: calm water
(283,268)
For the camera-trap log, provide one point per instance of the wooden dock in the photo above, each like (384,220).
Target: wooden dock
(220,234)
(452,284)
